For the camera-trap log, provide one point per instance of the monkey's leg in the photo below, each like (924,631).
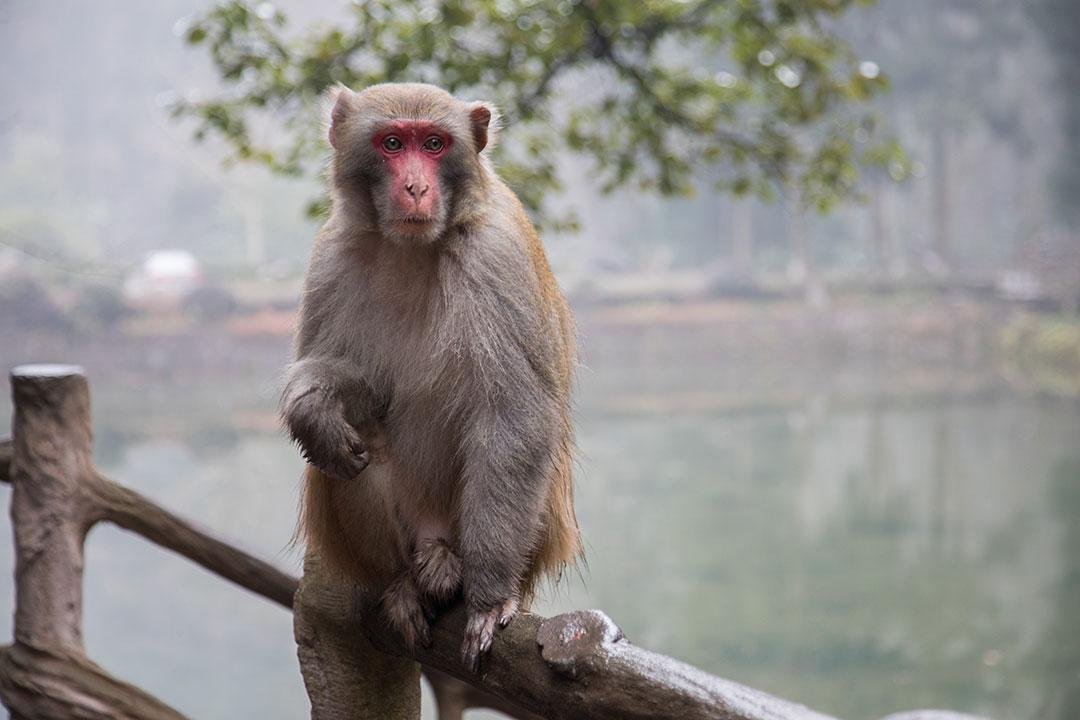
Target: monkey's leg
(501,503)
(405,610)
(437,569)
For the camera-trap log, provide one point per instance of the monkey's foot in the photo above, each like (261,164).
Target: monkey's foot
(437,570)
(480,631)
(405,611)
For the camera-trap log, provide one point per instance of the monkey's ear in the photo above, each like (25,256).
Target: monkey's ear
(484,121)
(342,99)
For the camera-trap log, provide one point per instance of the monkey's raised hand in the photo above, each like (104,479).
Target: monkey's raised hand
(317,423)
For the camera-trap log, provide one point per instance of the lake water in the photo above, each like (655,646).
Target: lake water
(855,537)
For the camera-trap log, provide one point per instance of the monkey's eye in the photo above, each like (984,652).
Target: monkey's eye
(433,144)
(392,144)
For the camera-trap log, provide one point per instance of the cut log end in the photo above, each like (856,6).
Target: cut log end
(46,370)
(568,642)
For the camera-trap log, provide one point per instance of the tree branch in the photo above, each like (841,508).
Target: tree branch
(106,500)
(131,511)
(76,688)
(579,665)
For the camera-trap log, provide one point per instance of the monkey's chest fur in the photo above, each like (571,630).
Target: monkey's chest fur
(421,364)
(463,357)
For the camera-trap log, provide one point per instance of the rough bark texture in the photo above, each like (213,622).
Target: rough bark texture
(579,665)
(51,432)
(5,460)
(453,697)
(43,685)
(345,676)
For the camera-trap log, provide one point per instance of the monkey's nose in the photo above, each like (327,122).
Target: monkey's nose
(410,187)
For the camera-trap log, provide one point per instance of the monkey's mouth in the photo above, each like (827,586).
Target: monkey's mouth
(415,223)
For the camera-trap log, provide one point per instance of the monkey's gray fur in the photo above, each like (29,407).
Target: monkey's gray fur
(431,384)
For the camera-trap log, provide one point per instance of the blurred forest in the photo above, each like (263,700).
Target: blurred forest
(825,261)
(980,98)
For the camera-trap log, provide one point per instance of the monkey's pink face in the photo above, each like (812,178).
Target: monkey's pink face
(412,151)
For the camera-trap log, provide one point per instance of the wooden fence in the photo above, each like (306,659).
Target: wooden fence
(576,665)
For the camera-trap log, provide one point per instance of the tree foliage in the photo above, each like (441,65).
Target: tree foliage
(753,94)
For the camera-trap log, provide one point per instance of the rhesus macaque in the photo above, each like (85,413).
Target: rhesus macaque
(430,391)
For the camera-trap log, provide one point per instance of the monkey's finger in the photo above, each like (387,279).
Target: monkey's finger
(349,464)
(346,467)
(359,462)
(354,448)
(355,445)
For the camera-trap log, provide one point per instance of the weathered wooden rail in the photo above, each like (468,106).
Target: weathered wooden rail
(576,665)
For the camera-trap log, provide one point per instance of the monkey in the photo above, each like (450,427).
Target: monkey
(430,388)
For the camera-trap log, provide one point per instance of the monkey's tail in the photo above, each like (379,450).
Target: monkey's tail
(561,547)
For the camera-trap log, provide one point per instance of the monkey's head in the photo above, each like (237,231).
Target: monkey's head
(407,158)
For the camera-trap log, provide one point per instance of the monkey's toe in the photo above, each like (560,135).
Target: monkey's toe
(507,612)
(437,570)
(479,633)
(404,611)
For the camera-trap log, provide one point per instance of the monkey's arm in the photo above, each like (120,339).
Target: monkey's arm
(318,390)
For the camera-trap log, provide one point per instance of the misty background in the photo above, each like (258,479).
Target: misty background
(833,457)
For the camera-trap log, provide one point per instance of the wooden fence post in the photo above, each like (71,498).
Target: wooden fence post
(52,438)
(45,674)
